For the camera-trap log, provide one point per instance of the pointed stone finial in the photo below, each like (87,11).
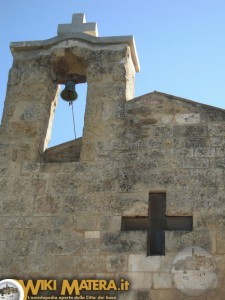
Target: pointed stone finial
(78,25)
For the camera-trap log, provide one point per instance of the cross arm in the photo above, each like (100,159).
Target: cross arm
(135,223)
(179,223)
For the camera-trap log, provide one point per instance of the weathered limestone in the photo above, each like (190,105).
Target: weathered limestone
(60,215)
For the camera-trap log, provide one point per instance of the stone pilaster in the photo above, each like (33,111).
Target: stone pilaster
(29,108)
(110,84)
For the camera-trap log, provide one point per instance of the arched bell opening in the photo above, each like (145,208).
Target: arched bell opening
(69,116)
(67,130)
(69,72)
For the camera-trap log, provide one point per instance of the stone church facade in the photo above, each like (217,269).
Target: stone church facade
(89,208)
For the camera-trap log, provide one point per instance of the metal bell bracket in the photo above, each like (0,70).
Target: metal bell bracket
(77,78)
(69,93)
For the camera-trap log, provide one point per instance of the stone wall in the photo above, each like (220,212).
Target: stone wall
(63,219)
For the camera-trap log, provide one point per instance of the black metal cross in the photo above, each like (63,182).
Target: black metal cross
(156,223)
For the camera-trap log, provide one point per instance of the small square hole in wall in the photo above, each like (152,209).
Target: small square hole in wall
(63,125)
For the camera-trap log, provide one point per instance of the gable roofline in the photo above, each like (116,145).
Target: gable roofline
(170,97)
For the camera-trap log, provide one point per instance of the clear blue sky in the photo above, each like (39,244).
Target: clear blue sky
(180,44)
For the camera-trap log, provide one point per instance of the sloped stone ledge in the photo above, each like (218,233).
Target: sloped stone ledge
(66,152)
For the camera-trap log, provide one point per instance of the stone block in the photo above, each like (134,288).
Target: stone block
(212,236)
(61,264)
(123,242)
(18,267)
(162,281)
(128,295)
(31,167)
(190,130)
(3,171)
(74,205)
(33,75)
(134,295)
(166,262)
(210,199)
(93,203)
(90,263)
(13,222)
(218,163)
(205,152)
(182,152)
(139,280)
(47,205)
(191,118)
(220,152)
(120,72)
(209,220)
(141,263)
(177,240)
(200,162)
(20,247)
(60,247)
(22,234)
(8,112)
(26,112)
(154,143)
(70,233)
(116,263)
(108,223)
(17,206)
(215,116)
(136,208)
(220,242)
(127,179)
(107,276)
(60,221)
(61,182)
(87,222)
(107,91)
(91,246)
(14,76)
(142,295)
(57,167)
(168,294)
(210,178)
(94,72)
(33,113)
(196,142)
(5,186)
(102,184)
(6,153)
(167,119)
(2,248)
(92,235)
(138,109)
(216,294)
(39,183)
(216,141)
(5,264)
(185,201)
(156,178)
(217,130)
(106,72)
(112,110)
(161,132)
(44,233)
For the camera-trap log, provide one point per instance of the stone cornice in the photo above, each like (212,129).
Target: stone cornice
(45,44)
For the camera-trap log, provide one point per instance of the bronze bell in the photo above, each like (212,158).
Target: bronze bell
(69,93)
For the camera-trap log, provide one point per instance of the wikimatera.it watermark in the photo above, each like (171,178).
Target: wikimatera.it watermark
(51,289)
